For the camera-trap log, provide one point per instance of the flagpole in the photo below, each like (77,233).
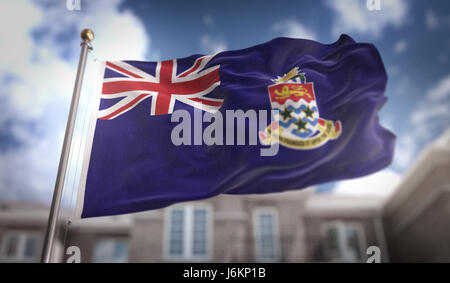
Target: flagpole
(87,36)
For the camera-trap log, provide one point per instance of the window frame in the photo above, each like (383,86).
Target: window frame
(276,233)
(188,232)
(344,250)
(22,236)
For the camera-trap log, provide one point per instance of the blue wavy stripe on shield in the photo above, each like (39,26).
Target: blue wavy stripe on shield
(302,134)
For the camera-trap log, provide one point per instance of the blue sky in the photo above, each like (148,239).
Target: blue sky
(41,46)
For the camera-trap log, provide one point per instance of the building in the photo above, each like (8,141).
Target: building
(417,216)
(297,226)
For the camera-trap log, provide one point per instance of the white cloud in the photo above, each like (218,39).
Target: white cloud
(380,184)
(212,45)
(39,56)
(405,150)
(441,91)
(430,115)
(119,35)
(431,20)
(429,112)
(292,28)
(400,46)
(435,105)
(353,16)
(16,46)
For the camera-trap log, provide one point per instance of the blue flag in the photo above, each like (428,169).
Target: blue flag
(282,115)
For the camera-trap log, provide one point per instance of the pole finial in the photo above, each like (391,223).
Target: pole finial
(87,35)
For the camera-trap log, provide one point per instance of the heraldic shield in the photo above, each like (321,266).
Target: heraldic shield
(299,125)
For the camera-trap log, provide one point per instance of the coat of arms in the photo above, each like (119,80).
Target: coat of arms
(299,125)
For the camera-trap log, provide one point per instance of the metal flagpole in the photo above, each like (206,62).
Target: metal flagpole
(87,36)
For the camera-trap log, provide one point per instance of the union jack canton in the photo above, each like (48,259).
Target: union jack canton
(133,85)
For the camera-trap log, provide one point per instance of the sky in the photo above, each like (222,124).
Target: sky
(40,48)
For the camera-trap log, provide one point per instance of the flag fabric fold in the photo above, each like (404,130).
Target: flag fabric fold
(328,97)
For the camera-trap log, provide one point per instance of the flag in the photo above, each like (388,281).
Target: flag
(169,131)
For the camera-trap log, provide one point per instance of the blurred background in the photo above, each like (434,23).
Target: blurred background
(403,210)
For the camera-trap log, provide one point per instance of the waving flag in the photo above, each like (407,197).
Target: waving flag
(327,97)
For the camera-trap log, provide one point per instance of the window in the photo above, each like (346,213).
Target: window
(343,241)
(176,232)
(199,232)
(189,232)
(20,246)
(113,250)
(266,234)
